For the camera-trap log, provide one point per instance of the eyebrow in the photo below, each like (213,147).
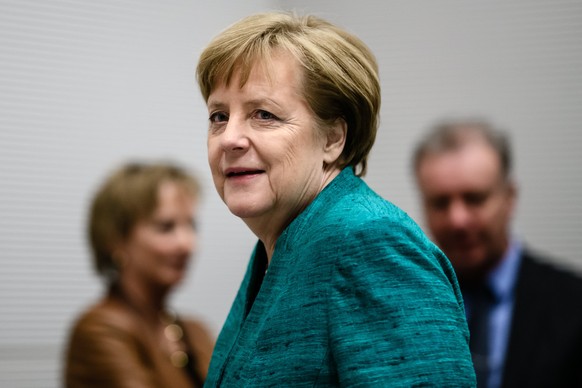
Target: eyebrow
(262,101)
(250,103)
(215,105)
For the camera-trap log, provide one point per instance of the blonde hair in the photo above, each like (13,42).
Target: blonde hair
(129,195)
(340,73)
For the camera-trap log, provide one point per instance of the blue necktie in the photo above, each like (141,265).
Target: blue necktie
(481,305)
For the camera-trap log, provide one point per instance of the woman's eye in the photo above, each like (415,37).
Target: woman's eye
(165,226)
(218,117)
(264,115)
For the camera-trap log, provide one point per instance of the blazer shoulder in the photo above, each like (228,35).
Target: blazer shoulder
(107,315)
(534,264)
(543,275)
(198,332)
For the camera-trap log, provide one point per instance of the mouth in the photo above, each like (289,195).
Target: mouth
(236,172)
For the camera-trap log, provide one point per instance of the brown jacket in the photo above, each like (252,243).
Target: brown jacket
(111,347)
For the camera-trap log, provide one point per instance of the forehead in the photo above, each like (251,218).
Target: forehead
(172,193)
(279,74)
(475,166)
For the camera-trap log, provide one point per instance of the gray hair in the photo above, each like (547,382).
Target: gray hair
(450,135)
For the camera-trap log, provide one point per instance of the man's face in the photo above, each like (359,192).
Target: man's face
(468,206)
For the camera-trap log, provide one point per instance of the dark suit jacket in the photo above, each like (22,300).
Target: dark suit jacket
(545,342)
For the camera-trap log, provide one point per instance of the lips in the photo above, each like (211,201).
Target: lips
(235,172)
(180,260)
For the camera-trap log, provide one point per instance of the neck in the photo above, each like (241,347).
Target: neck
(149,302)
(268,231)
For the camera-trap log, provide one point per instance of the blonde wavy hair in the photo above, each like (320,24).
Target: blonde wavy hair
(340,73)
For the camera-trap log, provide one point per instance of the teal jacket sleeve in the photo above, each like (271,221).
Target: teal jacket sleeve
(395,311)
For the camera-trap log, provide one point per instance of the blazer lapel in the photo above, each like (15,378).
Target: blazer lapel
(524,337)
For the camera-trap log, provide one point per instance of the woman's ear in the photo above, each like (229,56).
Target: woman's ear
(119,256)
(335,141)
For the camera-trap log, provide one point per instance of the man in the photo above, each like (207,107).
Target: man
(524,315)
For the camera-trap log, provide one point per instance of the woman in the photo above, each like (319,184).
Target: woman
(342,289)
(141,228)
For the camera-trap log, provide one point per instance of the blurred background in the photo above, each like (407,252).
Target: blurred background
(86,85)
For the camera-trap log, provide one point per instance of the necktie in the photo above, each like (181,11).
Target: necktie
(481,305)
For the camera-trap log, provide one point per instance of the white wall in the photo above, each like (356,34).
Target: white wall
(518,63)
(85,85)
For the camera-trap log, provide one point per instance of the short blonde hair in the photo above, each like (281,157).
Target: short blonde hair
(127,196)
(340,73)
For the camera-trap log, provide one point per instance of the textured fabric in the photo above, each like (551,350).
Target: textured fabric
(111,347)
(545,340)
(355,295)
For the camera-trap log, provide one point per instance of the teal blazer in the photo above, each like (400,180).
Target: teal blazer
(355,295)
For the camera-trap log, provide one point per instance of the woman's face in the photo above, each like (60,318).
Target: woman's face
(265,152)
(158,250)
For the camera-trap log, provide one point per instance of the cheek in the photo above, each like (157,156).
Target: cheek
(495,215)
(137,245)
(213,156)
(218,186)
(155,247)
(437,221)
(290,154)
(499,221)
(214,163)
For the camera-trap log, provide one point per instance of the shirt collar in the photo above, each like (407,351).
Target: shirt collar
(502,278)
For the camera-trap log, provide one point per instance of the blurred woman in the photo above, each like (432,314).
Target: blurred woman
(142,234)
(343,288)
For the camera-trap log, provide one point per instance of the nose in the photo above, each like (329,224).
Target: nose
(185,239)
(234,137)
(459,215)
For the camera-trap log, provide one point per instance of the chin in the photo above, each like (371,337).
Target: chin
(173,280)
(471,266)
(241,213)
(242,209)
